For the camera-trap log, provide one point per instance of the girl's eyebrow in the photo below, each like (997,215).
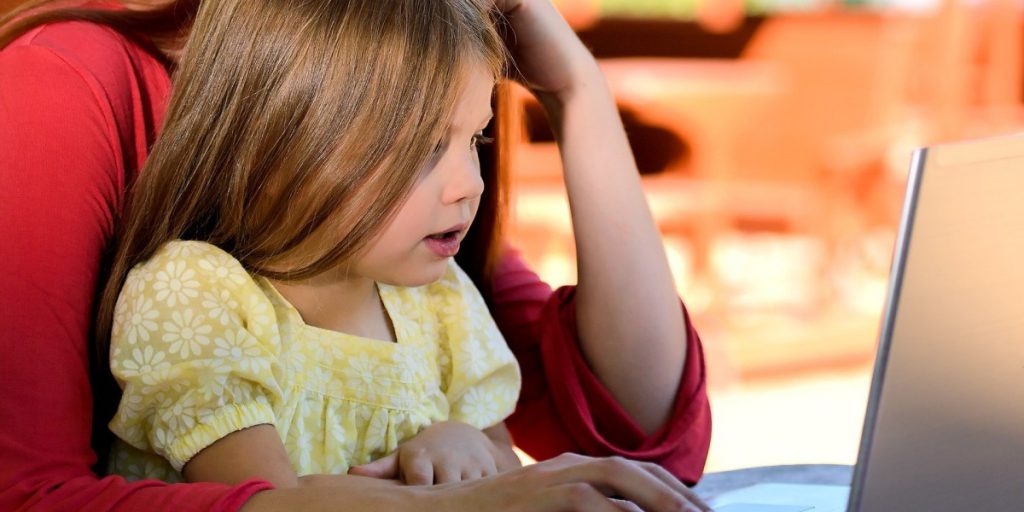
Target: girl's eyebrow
(490,115)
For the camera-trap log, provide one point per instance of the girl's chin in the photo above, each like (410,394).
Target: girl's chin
(421,275)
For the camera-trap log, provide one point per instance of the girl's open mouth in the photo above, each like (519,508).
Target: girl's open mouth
(444,244)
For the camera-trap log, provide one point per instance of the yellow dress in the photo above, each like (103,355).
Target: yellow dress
(203,349)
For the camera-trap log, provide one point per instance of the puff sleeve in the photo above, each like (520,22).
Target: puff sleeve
(195,349)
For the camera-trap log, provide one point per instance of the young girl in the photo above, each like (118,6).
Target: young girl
(286,299)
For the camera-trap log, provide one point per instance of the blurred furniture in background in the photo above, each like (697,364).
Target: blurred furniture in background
(774,158)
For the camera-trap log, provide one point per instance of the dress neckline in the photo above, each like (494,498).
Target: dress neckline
(387,297)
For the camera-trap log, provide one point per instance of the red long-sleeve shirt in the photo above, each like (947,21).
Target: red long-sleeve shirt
(80,105)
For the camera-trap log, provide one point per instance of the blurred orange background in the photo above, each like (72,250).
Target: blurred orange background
(774,139)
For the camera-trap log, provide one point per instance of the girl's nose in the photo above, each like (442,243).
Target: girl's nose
(464,181)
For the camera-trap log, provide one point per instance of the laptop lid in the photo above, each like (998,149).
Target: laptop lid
(944,428)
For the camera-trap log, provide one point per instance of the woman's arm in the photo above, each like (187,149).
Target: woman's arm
(629,324)
(565,484)
(564,407)
(60,184)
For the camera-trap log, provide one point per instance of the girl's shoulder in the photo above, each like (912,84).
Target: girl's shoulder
(193,287)
(181,265)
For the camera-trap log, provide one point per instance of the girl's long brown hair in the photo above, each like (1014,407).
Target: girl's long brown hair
(293,125)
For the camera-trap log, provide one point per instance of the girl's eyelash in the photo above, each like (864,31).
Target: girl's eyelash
(480,140)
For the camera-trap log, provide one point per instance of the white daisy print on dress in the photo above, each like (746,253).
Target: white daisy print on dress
(361,377)
(181,415)
(185,249)
(144,361)
(479,407)
(220,305)
(139,320)
(261,315)
(238,347)
(187,333)
(176,284)
(473,357)
(223,267)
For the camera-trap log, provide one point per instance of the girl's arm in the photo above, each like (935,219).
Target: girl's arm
(255,452)
(629,323)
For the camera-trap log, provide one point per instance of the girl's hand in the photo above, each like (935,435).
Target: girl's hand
(449,451)
(547,52)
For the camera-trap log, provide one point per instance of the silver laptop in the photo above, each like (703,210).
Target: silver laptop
(944,429)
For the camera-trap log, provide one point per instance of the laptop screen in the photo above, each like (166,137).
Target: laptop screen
(945,422)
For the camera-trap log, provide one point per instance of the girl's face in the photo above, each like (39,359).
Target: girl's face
(414,248)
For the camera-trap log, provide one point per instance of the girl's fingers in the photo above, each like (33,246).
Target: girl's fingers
(446,473)
(489,467)
(417,470)
(384,467)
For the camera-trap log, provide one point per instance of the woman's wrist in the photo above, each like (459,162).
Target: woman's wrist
(552,59)
(341,496)
(587,91)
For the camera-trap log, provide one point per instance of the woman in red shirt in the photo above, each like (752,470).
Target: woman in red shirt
(80,105)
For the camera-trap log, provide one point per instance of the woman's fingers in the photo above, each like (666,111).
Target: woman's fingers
(627,506)
(616,476)
(581,497)
(573,483)
(673,482)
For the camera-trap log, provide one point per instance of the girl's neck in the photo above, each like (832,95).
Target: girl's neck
(352,306)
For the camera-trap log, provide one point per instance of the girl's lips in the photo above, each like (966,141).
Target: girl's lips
(446,243)
(446,246)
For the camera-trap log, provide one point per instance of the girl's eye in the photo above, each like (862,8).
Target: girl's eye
(480,140)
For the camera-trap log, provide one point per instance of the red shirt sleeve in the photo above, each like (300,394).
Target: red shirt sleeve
(564,407)
(65,150)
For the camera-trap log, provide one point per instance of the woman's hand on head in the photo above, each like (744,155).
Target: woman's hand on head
(445,452)
(547,53)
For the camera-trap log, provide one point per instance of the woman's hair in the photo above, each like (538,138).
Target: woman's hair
(160,27)
(296,128)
